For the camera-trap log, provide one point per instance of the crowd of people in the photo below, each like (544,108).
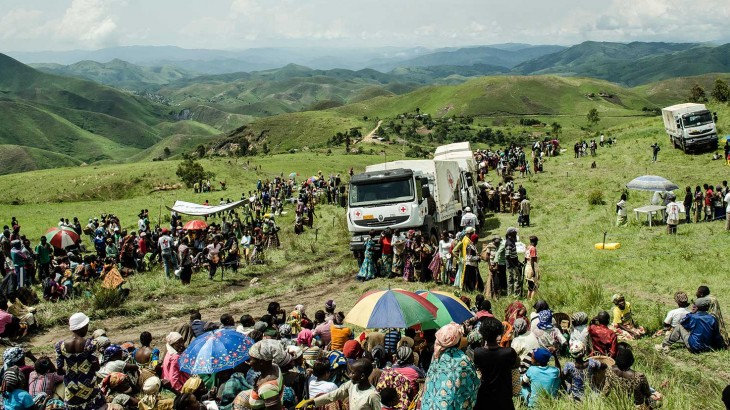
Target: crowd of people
(513,159)
(295,361)
(705,203)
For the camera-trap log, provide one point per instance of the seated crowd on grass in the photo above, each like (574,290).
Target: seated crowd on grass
(486,362)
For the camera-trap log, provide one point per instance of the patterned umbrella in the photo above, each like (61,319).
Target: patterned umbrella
(451,309)
(215,351)
(61,237)
(392,308)
(195,225)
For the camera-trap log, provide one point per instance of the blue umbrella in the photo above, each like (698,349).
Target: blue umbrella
(215,351)
(651,183)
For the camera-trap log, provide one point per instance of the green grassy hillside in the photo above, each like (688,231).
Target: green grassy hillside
(675,90)
(633,63)
(118,73)
(68,121)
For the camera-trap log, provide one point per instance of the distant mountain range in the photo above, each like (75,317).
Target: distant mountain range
(624,63)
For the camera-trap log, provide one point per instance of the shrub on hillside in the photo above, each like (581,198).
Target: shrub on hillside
(595,198)
(107,299)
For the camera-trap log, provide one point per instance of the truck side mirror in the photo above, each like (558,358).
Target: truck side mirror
(425,192)
(469,180)
(679,123)
(714,117)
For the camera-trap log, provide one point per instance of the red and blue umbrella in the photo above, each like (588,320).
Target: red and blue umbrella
(392,308)
(450,309)
(215,351)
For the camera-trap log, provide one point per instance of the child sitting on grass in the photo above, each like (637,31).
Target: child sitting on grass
(623,321)
(540,378)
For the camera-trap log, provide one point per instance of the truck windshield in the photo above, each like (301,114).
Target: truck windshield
(694,120)
(387,191)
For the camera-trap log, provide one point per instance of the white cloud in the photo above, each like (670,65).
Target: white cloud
(21,24)
(89,23)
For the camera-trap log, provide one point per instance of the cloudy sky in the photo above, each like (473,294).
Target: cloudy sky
(39,25)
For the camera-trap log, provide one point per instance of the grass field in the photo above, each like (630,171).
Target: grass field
(648,269)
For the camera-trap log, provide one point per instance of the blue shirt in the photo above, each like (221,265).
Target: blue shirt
(542,378)
(391,340)
(704,332)
(18,400)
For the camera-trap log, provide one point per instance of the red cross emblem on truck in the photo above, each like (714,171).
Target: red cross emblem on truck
(403,209)
(357,214)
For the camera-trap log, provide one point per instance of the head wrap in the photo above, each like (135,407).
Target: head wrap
(171,339)
(681,298)
(703,303)
(150,390)
(305,338)
(352,349)
(191,385)
(77,321)
(98,333)
(12,356)
(111,351)
(12,379)
(616,297)
(268,350)
(545,320)
(519,326)
(260,326)
(300,309)
(541,355)
(336,359)
(285,330)
(511,230)
(311,354)
(112,381)
(448,336)
(378,355)
(285,360)
(295,352)
(102,342)
(579,318)
(403,354)
(474,237)
(577,348)
(330,304)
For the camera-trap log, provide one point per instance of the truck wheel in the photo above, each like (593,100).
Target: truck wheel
(684,147)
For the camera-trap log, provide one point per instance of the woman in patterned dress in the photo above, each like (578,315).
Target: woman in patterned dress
(368,268)
(268,388)
(452,381)
(77,357)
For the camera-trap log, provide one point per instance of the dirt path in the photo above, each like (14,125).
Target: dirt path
(118,331)
(369,137)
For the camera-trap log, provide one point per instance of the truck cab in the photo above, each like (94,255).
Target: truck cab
(690,126)
(395,198)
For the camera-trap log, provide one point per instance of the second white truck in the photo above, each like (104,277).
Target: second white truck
(690,126)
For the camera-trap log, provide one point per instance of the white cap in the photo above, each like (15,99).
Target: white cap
(467,209)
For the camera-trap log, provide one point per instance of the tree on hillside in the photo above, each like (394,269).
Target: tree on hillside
(593,117)
(555,128)
(167,151)
(721,92)
(697,94)
(200,150)
(190,172)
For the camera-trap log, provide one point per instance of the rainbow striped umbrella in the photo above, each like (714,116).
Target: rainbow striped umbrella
(391,308)
(450,309)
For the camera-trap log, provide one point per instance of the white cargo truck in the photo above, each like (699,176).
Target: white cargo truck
(690,126)
(422,195)
(461,153)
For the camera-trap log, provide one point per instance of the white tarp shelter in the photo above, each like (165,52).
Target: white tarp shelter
(190,208)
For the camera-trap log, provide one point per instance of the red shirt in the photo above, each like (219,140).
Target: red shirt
(385,245)
(708,197)
(603,339)
(5,319)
